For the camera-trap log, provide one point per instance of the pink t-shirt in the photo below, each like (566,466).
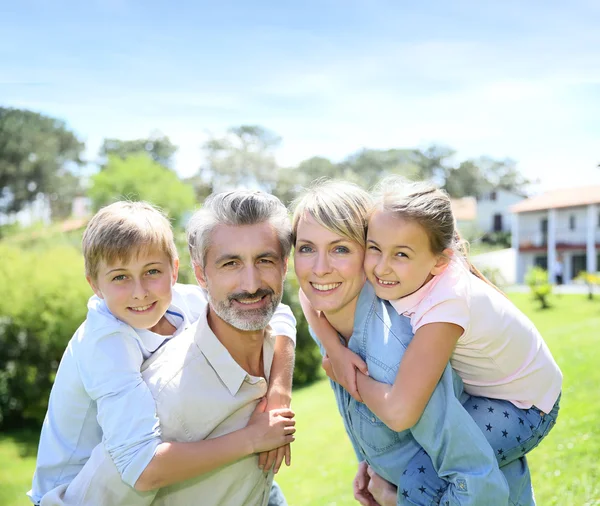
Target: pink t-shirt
(500,354)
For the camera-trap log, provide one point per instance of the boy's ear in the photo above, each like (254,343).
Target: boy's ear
(443,261)
(94,287)
(199,272)
(175,271)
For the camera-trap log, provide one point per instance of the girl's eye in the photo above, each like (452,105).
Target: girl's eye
(401,255)
(373,248)
(304,249)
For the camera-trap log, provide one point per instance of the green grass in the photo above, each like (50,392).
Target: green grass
(564,467)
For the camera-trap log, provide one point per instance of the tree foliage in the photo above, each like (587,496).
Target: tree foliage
(139,177)
(38,154)
(157,146)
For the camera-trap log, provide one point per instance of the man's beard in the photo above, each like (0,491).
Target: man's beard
(247,319)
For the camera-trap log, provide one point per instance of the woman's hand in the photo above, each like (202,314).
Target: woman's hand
(360,486)
(270,429)
(381,490)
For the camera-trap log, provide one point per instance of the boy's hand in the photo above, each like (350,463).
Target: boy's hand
(270,429)
(360,486)
(274,458)
(344,364)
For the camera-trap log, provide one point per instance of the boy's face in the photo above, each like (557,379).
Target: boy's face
(137,292)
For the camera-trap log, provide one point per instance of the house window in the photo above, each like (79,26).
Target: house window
(492,196)
(541,261)
(571,222)
(497,222)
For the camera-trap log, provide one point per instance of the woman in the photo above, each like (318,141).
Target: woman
(329,226)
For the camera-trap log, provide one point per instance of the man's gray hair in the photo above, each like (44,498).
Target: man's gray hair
(237,208)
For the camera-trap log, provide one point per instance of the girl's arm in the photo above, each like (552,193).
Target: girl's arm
(401,405)
(343,361)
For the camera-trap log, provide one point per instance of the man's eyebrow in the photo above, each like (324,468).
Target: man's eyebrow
(231,256)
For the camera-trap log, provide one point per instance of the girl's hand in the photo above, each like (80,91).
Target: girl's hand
(360,486)
(381,490)
(270,429)
(344,364)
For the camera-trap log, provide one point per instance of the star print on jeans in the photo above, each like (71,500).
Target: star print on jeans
(521,421)
(421,470)
(488,427)
(504,433)
(506,414)
(475,407)
(405,493)
(490,409)
(422,489)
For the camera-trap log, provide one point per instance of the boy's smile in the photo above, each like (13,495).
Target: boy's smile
(138,291)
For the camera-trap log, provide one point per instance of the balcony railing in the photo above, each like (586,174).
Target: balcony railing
(536,238)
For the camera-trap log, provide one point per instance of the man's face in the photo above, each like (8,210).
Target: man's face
(243,274)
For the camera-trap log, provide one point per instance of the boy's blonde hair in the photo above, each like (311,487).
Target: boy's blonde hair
(122,230)
(341,207)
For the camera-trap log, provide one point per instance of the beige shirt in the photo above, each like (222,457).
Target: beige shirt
(200,393)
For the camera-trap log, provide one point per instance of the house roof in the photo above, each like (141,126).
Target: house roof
(464,209)
(566,197)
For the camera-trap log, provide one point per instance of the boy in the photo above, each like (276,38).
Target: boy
(98,396)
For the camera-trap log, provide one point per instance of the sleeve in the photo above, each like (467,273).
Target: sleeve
(471,470)
(109,366)
(454,311)
(283,322)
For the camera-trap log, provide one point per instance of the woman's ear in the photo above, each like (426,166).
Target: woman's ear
(443,261)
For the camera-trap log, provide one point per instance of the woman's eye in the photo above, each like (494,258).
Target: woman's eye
(304,249)
(342,249)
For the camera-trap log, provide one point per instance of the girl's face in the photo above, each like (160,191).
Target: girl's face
(329,268)
(398,260)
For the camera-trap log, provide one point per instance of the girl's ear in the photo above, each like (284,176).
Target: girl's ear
(443,261)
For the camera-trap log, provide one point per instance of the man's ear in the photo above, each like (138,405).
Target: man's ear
(443,261)
(175,271)
(285,266)
(94,287)
(199,272)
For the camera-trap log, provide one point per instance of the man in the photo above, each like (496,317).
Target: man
(208,381)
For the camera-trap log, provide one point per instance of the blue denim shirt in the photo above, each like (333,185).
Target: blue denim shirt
(459,451)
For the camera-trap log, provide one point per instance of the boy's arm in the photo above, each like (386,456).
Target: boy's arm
(401,405)
(343,361)
(279,395)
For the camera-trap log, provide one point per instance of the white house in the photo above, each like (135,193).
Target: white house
(493,210)
(560,224)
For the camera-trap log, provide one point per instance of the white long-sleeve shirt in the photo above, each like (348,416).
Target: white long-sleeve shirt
(99,394)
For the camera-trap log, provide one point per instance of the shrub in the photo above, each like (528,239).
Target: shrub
(43,297)
(537,279)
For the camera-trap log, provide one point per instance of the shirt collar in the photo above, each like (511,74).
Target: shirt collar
(229,371)
(405,305)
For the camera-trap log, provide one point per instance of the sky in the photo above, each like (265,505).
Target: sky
(512,79)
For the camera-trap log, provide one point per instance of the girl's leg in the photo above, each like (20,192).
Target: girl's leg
(512,432)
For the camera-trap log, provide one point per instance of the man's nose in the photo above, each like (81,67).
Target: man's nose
(251,281)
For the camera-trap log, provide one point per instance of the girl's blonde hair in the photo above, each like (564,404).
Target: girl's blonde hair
(341,207)
(431,208)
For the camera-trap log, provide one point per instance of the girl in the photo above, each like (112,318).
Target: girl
(414,260)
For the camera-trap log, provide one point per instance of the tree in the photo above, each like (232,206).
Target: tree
(138,177)
(38,154)
(291,180)
(243,157)
(465,180)
(157,146)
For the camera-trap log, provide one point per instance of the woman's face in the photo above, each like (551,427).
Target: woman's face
(329,268)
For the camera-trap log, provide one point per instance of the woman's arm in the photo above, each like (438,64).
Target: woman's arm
(401,405)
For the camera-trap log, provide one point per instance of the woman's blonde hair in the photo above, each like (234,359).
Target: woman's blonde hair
(341,207)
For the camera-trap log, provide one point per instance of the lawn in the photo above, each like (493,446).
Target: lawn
(564,467)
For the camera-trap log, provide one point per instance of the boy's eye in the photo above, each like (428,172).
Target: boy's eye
(153,272)
(120,277)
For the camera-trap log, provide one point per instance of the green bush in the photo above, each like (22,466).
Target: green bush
(537,279)
(43,297)
(308,357)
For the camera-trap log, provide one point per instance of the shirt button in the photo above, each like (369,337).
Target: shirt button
(373,419)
